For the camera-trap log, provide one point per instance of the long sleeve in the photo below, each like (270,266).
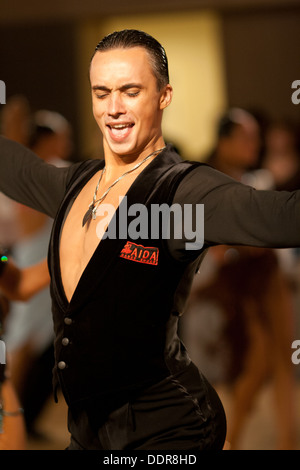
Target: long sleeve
(27,179)
(236,214)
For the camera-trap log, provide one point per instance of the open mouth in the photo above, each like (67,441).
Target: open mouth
(119,132)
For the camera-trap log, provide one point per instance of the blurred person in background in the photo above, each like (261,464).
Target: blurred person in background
(247,302)
(29,331)
(281,156)
(238,144)
(15,284)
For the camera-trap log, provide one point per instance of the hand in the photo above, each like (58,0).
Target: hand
(21,284)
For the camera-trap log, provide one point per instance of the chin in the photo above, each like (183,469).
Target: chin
(121,151)
(123,148)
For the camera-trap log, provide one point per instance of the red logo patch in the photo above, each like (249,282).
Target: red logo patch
(140,253)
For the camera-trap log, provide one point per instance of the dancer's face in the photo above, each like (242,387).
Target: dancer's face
(127,104)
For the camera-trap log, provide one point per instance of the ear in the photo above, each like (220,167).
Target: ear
(165,97)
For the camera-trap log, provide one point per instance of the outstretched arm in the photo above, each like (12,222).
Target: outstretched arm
(236,214)
(29,180)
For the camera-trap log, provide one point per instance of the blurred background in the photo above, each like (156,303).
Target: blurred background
(231,62)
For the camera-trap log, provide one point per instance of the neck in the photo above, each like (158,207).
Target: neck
(117,164)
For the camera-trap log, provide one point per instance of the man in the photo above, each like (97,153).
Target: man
(125,375)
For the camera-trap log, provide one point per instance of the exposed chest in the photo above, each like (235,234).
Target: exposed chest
(78,243)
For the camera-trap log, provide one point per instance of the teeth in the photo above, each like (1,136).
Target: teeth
(120,126)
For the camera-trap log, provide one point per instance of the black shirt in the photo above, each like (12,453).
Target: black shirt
(234,213)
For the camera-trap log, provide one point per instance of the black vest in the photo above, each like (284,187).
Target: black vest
(119,332)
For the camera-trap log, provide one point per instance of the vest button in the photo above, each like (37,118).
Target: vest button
(62,365)
(65,341)
(68,321)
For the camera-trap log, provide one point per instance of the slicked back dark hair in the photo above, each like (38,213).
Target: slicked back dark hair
(129,38)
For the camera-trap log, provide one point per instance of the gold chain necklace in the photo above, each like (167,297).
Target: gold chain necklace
(91,212)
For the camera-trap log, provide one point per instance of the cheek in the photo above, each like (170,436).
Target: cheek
(95,107)
(148,112)
(97,113)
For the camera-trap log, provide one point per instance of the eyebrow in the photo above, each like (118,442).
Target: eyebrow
(125,87)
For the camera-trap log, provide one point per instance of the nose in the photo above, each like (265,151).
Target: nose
(115,105)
